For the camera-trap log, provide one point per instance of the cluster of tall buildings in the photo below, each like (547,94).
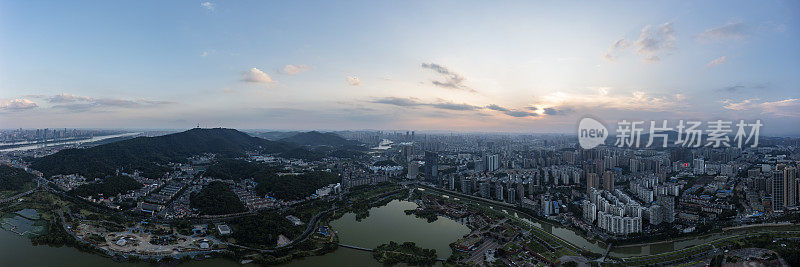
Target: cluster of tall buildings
(488,163)
(30,135)
(562,175)
(512,188)
(352,178)
(647,189)
(593,181)
(614,212)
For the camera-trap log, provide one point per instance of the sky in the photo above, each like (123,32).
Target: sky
(482,66)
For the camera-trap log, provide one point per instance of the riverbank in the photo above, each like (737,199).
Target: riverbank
(346,224)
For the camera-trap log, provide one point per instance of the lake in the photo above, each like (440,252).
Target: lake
(387,223)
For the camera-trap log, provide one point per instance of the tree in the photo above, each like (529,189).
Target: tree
(13,178)
(110,186)
(216,198)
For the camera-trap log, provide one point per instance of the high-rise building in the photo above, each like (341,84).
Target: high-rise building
(451,182)
(592,181)
(634,165)
(790,186)
(777,191)
(656,213)
(492,162)
(413,170)
(466,186)
(668,205)
(486,189)
(512,195)
(407,151)
(549,207)
(589,211)
(699,166)
(608,181)
(520,191)
(480,165)
(499,191)
(431,167)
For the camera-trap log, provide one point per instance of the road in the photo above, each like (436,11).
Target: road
(312,224)
(17,196)
(701,254)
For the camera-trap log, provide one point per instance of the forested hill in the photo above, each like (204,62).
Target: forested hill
(13,178)
(150,154)
(315,138)
(287,187)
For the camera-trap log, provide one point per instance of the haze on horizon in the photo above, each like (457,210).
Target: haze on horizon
(444,65)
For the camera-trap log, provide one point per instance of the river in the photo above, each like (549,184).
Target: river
(387,223)
(67,142)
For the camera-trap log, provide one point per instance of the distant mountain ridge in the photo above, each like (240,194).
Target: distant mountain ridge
(149,154)
(273,135)
(314,138)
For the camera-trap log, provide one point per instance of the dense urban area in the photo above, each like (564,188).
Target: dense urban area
(266,197)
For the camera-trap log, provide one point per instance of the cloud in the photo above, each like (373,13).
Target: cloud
(731,31)
(616,48)
(67,98)
(76,107)
(786,108)
(228,91)
(520,113)
(414,102)
(453,106)
(19,104)
(653,43)
(514,112)
(84,103)
(738,106)
(398,101)
(740,87)
(353,80)
(452,80)
(448,105)
(733,88)
(255,75)
(557,111)
(208,5)
(717,61)
(153,102)
(566,102)
(655,40)
(789,107)
(496,107)
(110,102)
(295,69)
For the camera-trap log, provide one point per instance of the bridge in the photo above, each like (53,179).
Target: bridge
(9,199)
(605,254)
(355,247)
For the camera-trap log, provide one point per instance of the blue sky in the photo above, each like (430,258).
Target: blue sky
(426,65)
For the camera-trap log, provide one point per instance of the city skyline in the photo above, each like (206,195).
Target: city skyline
(472,67)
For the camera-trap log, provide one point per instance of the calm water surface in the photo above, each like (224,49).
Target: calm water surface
(387,223)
